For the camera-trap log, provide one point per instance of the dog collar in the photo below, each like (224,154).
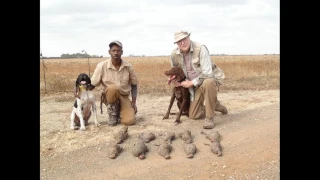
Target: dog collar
(82,87)
(183,79)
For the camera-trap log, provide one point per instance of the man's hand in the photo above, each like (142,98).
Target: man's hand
(186,84)
(133,105)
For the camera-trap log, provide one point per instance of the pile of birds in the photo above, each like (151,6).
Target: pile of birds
(164,144)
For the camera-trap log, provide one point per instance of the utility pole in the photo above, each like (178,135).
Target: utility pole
(88,60)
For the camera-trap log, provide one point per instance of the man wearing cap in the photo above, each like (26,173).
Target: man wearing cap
(196,63)
(119,80)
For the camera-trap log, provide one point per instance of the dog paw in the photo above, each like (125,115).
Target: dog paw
(97,124)
(82,128)
(72,127)
(165,117)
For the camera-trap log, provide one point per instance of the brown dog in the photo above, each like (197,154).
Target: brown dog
(180,93)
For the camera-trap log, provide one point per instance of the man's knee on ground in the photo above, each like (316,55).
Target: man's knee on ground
(128,121)
(127,116)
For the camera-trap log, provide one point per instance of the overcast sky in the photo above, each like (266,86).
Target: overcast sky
(147,26)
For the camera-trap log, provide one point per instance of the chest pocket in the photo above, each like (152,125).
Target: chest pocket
(196,63)
(124,79)
(109,78)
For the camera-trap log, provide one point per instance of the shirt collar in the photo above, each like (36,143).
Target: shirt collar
(111,66)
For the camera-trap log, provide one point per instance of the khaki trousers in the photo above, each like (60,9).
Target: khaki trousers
(127,114)
(205,93)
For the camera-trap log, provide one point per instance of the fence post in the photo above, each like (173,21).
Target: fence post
(44,72)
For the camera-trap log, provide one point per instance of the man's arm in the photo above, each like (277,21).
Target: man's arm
(206,66)
(134,92)
(96,76)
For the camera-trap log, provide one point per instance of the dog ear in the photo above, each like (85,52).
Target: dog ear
(78,81)
(180,74)
(76,89)
(88,81)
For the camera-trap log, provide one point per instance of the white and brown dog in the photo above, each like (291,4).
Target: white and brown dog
(84,105)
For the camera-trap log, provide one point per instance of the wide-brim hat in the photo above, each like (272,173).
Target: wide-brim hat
(116,42)
(180,35)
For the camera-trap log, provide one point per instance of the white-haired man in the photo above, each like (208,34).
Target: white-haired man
(196,63)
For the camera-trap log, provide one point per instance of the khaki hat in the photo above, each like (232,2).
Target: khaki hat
(117,43)
(180,35)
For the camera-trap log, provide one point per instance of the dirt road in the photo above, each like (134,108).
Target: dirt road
(250,141)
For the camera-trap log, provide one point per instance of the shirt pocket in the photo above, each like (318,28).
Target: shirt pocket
(196,62)
(124,79)
(109,78)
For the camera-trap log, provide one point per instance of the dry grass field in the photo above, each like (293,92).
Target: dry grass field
(260,72)
(250,131)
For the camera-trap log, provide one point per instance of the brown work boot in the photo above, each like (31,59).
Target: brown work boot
(113,112)
(221,108)
(208,123)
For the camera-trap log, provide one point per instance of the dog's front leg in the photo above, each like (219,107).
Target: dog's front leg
(79,114)
(166,116)
(73,113)
(183,106)
(94,112)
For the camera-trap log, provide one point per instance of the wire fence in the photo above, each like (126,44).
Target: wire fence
(59,77)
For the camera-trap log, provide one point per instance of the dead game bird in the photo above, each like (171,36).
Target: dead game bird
(139,149)
(164,149)
(121,135)
(190,149)
(186,136)
(212,136)
(114,150)
(147,137)
(168,136)
(215,148)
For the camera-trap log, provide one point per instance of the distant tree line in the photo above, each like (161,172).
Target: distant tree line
(131,55)
(80,55)
(74,55)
